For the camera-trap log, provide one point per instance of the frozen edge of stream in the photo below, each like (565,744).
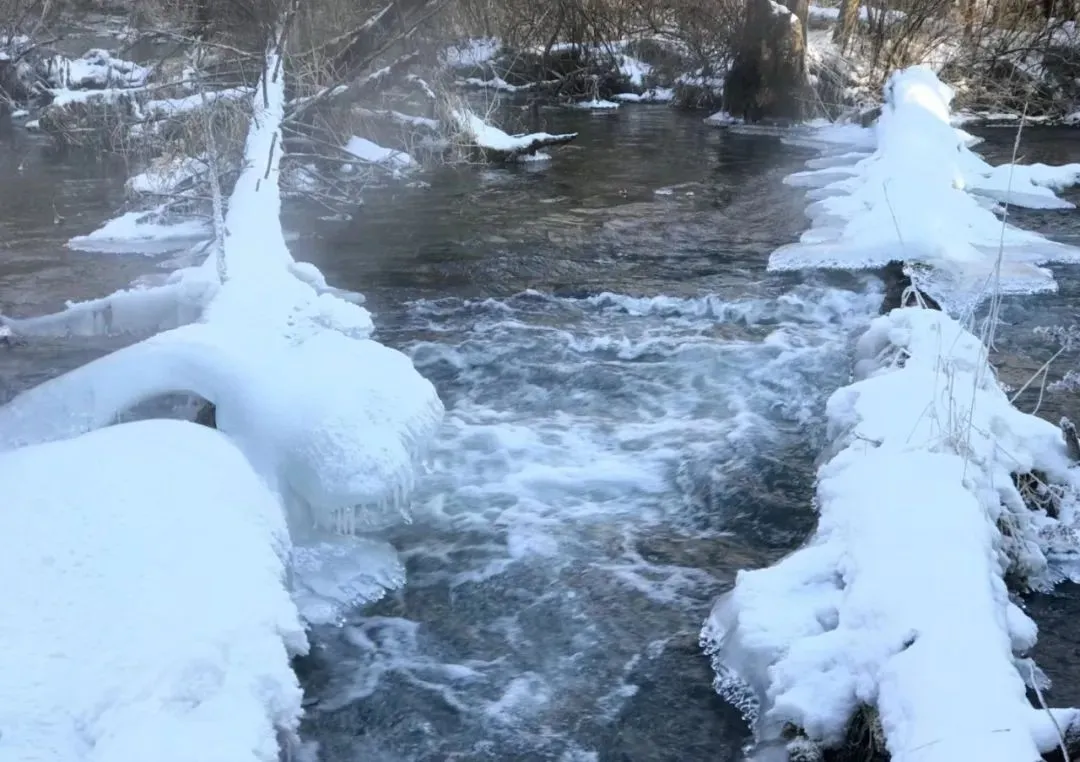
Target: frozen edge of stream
(935,488)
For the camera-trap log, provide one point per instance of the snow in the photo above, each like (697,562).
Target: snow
(721,118)
(916,198)
(474,52)
(365,150)
(491,138)
(633,69)
(151,618)
(497,83)
(334,422)
(1028,185)
(96,69)
(652,95)
(898,601)
(113,95)
(167,108)
(826,13)
(596,105)
(164,176)
(141,232)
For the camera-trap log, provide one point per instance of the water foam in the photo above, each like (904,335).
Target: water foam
(595,453)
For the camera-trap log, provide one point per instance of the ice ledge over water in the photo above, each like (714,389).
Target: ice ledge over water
(898,603)
(923,197)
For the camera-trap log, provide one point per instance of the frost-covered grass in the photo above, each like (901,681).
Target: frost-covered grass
(925,198)
(898,603)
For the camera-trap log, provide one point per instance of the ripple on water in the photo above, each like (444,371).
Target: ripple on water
(606,465)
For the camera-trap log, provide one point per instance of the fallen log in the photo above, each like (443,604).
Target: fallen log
(894,625)
(494,144)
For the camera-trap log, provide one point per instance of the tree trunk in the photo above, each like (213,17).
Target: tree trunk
(845,25)
(968,12)
(768,78)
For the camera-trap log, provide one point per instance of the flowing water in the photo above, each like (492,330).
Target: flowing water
(633,410)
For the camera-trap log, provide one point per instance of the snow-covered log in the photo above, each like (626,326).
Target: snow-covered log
(332,420)
(935,492)
(923,197)
(497,145)
(146,615)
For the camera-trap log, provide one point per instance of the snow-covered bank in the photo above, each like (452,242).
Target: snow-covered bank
(319,425)
(925,198)
(146,614)
(936,491)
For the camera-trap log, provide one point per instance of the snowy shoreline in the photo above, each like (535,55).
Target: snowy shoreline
(935,490)
(319,435)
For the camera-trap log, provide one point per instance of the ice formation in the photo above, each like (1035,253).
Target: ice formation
(923,197)
(158,625)
(898,603)
(341,442)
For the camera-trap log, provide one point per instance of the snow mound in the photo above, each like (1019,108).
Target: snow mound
(152,619)
(652,95)
(921,197)
(470,53)
(898,603)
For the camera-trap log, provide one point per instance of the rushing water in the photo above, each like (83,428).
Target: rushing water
(634,406)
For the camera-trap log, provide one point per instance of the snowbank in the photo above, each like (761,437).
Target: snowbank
(652,95)
(146,614)
(897,606)
(595,104)
(470,53)
(922,197)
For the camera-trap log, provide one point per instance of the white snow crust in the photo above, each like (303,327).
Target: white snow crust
(146,615)
(157,626)
(491,138)
(366,150)
(898,602)
(923,197)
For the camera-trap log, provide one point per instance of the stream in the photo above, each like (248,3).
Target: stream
(634,407)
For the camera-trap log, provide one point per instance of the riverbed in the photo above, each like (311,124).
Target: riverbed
(634,408)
